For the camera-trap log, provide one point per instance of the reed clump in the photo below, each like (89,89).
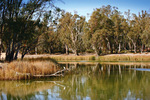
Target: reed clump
(26,70)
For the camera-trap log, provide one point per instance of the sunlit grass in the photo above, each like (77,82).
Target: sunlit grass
(114,57)
(26,70)
(134,58)
(62,58)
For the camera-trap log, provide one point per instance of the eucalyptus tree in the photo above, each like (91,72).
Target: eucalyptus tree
(134,33)
(64,30)
(125,29)
(20,27)
(86,37)
(117,28)
(146,34)
(101,30)
(71,30)
(49,40)
(144,28)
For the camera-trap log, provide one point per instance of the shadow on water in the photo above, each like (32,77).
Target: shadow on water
(91,81)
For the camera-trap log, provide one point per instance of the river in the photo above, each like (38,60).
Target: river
(85,81)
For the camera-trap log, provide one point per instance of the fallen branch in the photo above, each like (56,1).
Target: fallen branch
(27,74)
(48,75)
(58,73)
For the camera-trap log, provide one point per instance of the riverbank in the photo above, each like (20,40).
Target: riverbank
(43,65)
(144,57)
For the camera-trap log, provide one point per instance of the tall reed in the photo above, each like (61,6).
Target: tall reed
(26,70)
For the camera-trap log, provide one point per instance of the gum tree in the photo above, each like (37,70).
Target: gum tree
(20,24)
(71,30)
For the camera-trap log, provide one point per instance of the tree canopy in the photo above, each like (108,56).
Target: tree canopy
(30,24)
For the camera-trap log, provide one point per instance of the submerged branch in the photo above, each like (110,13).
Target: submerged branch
(56,74)
(48,75)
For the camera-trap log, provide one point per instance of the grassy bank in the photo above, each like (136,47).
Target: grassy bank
(18,70)
(105,58)
(132,58)
(56,58)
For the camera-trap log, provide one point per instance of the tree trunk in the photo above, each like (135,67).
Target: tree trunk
(10,53)
(76,52)
(119,48)
(96,51)
(142,48)
(67,49)
(116,47)
(36,50)
(49,50)
(16,55)
(10,56)
(134,44)
(22,56)
(109,47)
(130,47)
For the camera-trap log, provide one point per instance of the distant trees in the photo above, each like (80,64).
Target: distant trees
(111,32)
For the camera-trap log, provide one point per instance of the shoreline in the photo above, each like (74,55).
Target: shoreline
(144,57)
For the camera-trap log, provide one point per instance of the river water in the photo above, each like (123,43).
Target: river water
(85,81)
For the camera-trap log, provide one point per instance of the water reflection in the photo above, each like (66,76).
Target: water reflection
(105,81)
(84,81)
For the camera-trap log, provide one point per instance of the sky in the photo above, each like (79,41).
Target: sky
(82,7)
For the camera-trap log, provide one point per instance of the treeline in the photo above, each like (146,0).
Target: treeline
(32,26)
(107,31)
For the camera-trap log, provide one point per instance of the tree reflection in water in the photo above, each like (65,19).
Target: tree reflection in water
(84,81)
(105,81)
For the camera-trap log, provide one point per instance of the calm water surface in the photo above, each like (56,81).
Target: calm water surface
(84,82)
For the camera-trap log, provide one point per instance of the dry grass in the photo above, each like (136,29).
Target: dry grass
(61,58)
(133,58)
(111,57)
(26,70)
(76,58)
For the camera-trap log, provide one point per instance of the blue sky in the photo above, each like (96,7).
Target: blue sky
(87,6)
